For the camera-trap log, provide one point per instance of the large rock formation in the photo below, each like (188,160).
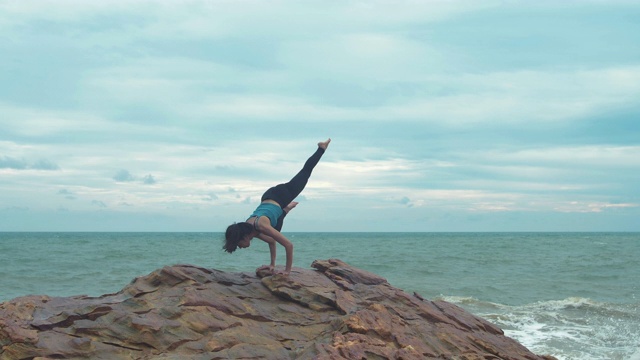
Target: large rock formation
(187,312)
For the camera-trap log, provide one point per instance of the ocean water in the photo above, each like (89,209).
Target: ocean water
(570,295)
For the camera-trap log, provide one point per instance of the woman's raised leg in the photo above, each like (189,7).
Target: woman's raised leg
(285,193)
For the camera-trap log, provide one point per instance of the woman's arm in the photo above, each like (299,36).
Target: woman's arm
(269,231)
(272,249)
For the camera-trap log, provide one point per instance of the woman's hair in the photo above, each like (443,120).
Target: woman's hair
(235,233)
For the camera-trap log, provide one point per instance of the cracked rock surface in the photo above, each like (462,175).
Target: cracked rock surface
(186,312)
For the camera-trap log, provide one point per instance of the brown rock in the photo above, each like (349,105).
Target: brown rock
(183,311)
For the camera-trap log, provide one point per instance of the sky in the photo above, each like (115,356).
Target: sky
(131,115)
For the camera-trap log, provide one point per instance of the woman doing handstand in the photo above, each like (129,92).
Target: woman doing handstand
(266,221)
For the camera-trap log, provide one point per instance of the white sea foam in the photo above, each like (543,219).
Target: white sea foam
(572,328)
(636,355)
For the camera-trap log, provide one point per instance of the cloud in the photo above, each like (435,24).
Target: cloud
(586,155)
(519,97)
(67,194)
(149,180)
(371,58)
(210,197)
(406,201)
(455,106)
(98,203)
(123,176)
(210,20)
(11,163)
(44,164)
(591,207)
(20,164)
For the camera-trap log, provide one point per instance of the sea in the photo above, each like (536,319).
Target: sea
(570,295)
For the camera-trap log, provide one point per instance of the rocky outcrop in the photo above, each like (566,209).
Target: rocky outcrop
(186,312)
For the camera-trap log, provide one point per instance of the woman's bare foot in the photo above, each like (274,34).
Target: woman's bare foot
(290,206)
(324,144)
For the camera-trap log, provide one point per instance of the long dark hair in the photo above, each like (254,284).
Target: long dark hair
(235,233)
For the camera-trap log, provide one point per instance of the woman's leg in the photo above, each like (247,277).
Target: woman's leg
(280,221)
(284,213)
(283,194)
(299,181)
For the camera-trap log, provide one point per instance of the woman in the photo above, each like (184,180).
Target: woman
(266,221)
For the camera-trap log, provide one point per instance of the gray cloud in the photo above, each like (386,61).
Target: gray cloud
(149,180)
(123,176)
(210,197)
(11,163)
(67,194)
(8,162)
(44,164)
(99,203)
(406,201)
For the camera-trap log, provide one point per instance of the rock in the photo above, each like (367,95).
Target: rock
(186,312)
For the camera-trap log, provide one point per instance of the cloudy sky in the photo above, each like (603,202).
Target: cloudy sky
(445,115)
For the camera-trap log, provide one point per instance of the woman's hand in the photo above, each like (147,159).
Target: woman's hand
(270,268)
(272,236)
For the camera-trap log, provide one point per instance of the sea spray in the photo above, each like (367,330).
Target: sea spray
(570,329)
